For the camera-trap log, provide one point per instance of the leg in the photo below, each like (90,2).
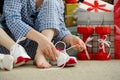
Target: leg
(5,40)
(40,59)
(17,51)
(46,23)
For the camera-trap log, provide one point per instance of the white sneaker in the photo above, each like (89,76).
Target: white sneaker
(19,54)
(6,62)
(64,60)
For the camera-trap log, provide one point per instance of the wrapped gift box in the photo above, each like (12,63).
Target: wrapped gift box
(108,18)
(69,20)
(69,9)
(96,6)
(93,18)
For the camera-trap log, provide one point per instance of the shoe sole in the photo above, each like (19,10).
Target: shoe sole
(7,62)
(71,62)
(21,60)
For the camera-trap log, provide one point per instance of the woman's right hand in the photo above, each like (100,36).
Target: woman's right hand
(44,44)
(48,48)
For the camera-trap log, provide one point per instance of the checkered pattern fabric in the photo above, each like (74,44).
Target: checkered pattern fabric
(21,16)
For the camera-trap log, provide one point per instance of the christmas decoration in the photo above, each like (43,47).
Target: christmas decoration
(96,6)
(86,31)
(102,54)
(117,29)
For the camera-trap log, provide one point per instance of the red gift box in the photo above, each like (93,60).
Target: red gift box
(86,31)
(102,54)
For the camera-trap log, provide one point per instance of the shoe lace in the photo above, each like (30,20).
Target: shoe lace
(14,46)
(20,39)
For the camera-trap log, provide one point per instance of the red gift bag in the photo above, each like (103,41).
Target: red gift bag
(117,28)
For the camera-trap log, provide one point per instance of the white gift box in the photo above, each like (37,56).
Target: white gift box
(109,18)
(93,18)
(96,6)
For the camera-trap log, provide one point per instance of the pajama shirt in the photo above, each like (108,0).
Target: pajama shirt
(20,16)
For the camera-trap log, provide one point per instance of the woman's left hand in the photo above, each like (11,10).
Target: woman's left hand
(75,41)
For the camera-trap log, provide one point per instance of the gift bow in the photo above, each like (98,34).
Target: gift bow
(103,43)
(96,6)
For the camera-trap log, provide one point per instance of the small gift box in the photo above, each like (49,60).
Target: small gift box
(103,31)
(69,9)
(96,6)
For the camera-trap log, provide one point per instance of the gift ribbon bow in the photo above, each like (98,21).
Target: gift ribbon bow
(96,6)
(103,43)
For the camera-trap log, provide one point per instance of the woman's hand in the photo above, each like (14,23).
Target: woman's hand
(75,41)
(44,44)
(47,47)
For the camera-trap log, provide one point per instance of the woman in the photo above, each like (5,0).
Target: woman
(42,22)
